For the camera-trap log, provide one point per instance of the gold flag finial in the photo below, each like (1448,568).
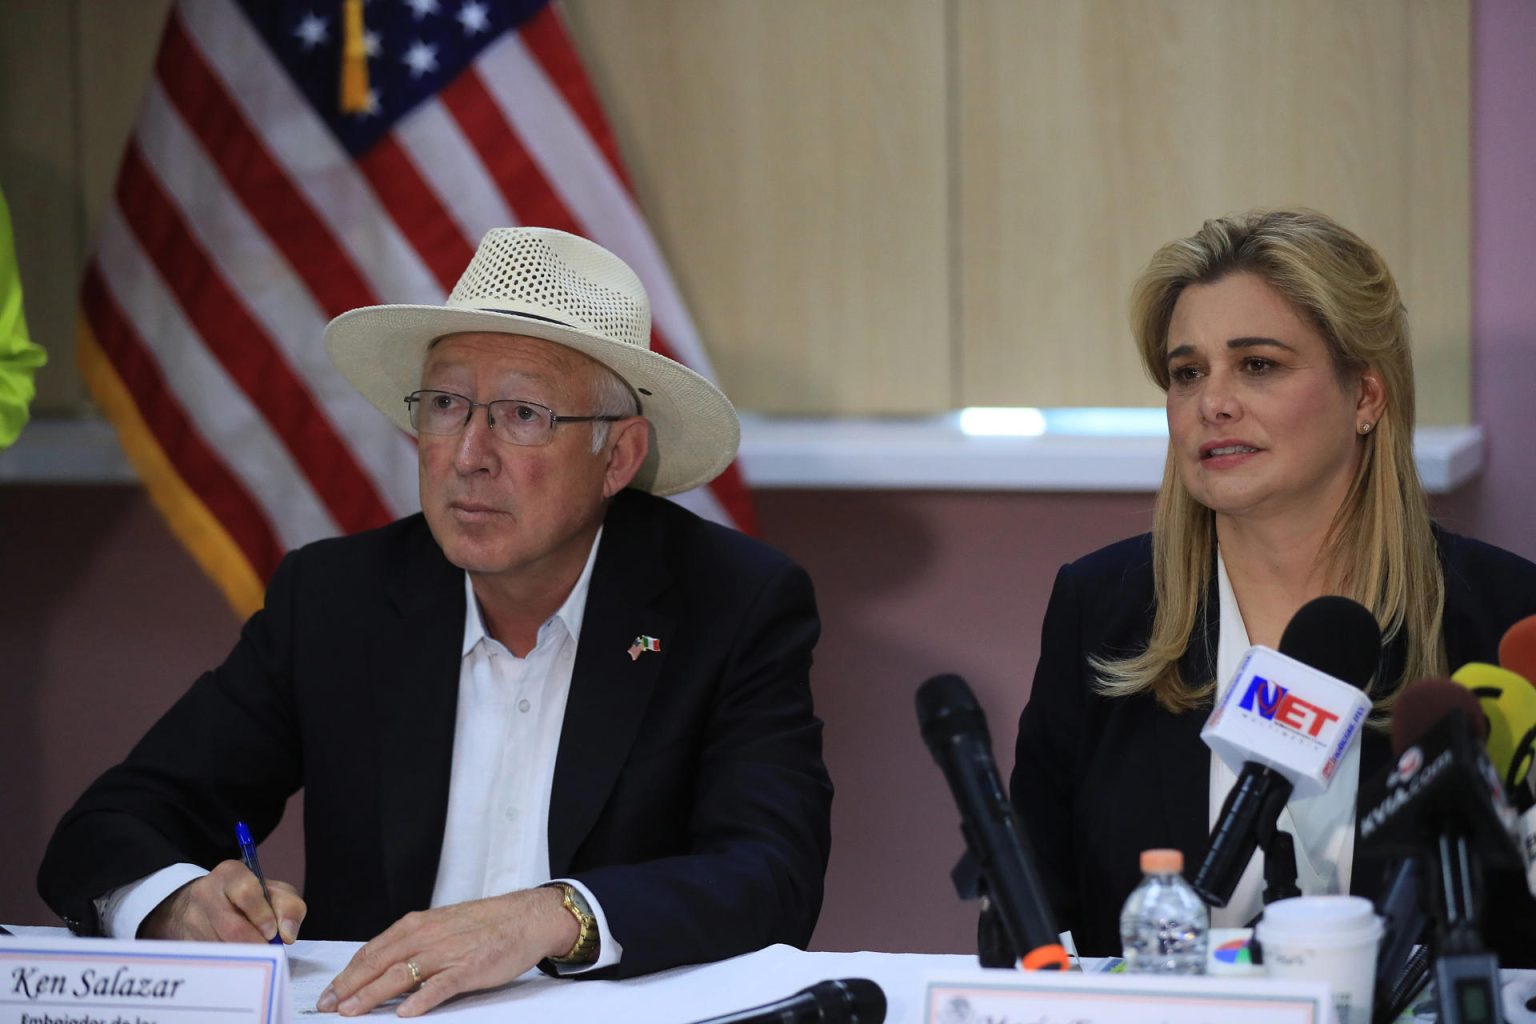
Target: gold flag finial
(354,59)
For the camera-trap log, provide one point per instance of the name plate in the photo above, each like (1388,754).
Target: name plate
(107,981)
(1003,997)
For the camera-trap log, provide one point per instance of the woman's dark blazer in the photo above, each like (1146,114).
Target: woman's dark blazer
(1096,780)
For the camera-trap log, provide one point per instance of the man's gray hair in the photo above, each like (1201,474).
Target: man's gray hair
(612,397)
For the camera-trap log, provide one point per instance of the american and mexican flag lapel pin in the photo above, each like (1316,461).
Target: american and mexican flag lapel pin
(642,644)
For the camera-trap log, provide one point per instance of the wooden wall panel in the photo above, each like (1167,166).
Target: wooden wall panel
(71,74)
(118,42)
(40,172)
(792,158)
(1437,256)
(1092,132)
(904,206)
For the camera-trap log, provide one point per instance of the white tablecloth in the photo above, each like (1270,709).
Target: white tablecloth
(688,994)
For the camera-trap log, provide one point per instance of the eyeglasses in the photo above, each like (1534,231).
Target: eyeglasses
(445,414)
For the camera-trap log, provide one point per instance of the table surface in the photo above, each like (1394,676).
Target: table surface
(687,994)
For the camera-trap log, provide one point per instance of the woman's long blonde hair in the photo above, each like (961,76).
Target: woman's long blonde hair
(1380,550)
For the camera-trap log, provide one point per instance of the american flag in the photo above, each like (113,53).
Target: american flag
(250,209)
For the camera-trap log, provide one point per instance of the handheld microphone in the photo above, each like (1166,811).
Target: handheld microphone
(1517,652)
(1527,839)
(1509,701)
(1442,781)
(955,731)
(1517,648)
(847,1001)
(1405,923)
(1284,726)
(1442,799)
(1403,908)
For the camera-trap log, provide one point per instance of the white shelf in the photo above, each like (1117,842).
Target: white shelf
(934,454)
(66,451)
(842,454)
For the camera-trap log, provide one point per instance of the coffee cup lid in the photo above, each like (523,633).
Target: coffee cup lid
(1333,915)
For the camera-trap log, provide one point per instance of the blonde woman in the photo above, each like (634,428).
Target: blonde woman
(1282,344)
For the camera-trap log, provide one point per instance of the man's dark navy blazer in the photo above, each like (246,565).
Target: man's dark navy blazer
(1096,780)
(689,791)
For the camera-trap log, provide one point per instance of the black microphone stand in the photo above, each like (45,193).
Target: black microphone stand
(994,948)
(1279,861)
(1279,865)
(1466,975)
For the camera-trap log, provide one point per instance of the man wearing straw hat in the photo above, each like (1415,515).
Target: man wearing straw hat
(552,720)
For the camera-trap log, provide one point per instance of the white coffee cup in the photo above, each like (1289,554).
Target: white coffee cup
(1325,938)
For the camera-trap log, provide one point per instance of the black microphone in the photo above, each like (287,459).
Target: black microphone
(1443,801)
(1337,637)
(1404,903)
(1443,782)
(845,1001)
(955,731)
(1405,924)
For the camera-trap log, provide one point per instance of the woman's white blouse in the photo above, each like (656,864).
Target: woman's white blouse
(1323,826)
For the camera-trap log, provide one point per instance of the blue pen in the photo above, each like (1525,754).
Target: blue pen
(248,856)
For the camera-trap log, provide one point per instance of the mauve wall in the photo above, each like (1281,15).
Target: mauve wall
(1502,501)
(104,620)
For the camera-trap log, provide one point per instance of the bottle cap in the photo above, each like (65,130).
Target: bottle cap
(1162,862)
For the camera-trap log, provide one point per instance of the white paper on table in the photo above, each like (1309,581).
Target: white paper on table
(668,997)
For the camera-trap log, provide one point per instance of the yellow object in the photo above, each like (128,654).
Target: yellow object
(354,59)
(19,355)
(1509,701)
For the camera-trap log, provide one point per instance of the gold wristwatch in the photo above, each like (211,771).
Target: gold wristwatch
(584,950)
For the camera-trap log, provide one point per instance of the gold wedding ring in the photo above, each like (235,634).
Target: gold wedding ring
(410,965)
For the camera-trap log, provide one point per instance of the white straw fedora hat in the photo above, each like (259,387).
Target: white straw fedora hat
(548,284)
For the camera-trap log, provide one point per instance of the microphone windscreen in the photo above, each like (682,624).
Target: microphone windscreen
(849,1000)
(947,708)
(1517,650)
(1509,701)
(1336,636)
(1423,704)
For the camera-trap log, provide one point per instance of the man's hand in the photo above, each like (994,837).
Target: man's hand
(460,948)
(226,905)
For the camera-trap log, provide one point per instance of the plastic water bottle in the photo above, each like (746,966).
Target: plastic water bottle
(1164,927)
